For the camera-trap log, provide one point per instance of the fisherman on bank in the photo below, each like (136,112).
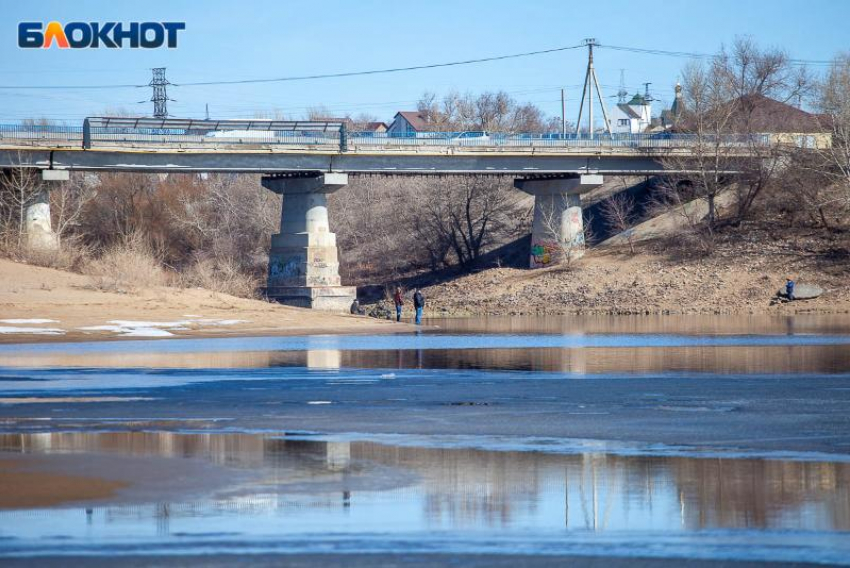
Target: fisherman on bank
(418,304)
(789,289)
(399,302)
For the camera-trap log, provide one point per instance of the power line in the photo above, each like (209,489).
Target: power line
(311,77)
(379,71)
(695,55)
(659,52)
(66,87)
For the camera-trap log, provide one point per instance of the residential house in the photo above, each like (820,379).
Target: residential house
(379,127)
(632,117)
(759,114)
(408,122)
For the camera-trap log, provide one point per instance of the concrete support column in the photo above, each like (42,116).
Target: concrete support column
(39,230)
(558,228)
(303,261)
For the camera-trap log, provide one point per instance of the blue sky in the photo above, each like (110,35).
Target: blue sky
(227,40)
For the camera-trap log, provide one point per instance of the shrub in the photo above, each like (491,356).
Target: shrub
(127,265)
(220,275)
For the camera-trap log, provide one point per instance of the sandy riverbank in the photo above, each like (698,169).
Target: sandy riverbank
(43,304)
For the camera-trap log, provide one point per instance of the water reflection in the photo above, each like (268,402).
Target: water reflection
(699,359)
(811,344)
(654,324)
(360,486)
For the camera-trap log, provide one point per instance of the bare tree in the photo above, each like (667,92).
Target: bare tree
(471,209)
(229,220)
(834,103)
(19,189)
(489,111)
(618,212)
(68,202)
(728,108)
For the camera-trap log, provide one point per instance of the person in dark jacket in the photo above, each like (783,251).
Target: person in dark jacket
(399,302)
(789,288)
(418,304)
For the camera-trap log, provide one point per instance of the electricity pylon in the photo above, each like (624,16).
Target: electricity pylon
(160,96)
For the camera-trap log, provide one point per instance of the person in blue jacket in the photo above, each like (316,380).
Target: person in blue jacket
(789,288)
(418,304)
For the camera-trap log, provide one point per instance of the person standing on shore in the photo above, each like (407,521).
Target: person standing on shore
(399,302)
(418,304)
(789,288)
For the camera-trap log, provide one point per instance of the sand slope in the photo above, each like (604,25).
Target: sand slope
(34,293)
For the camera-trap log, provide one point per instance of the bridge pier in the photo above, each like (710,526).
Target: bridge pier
(558,228)
(39,230)
(304,261)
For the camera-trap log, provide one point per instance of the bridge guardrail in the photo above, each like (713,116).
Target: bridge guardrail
(344,139)
(40,132)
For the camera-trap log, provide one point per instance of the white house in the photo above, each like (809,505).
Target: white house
(632,117)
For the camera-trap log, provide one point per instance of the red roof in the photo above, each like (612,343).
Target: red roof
(414,118)
(768,115)
(757,113)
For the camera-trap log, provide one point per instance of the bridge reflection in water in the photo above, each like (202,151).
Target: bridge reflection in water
(429,488)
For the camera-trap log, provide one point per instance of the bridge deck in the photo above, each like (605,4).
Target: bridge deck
(158,150)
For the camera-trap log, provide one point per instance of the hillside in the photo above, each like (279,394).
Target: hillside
(741,275)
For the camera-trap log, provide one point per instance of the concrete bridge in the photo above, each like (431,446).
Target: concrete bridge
(305,161)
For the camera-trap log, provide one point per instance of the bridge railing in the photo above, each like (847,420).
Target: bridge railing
(40,132)
(152,136)
(546,140)
(342,140)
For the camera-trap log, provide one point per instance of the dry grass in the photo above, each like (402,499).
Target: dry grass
(70,255)
(126,266)
(223,276)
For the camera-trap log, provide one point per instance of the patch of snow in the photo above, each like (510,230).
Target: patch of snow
(28,321)
(147,332)
(32,330)
(164,324)
(130,328)
(319,402)
(139,328)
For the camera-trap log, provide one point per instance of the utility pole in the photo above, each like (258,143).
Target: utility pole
(160,96)
(647,97)
(591,81)
(622,93)
(563,115)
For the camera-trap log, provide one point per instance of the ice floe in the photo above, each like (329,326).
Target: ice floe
(31,330)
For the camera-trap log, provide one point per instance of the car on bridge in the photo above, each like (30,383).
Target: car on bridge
(470,138)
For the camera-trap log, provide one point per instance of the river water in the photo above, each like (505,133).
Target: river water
(669,437)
